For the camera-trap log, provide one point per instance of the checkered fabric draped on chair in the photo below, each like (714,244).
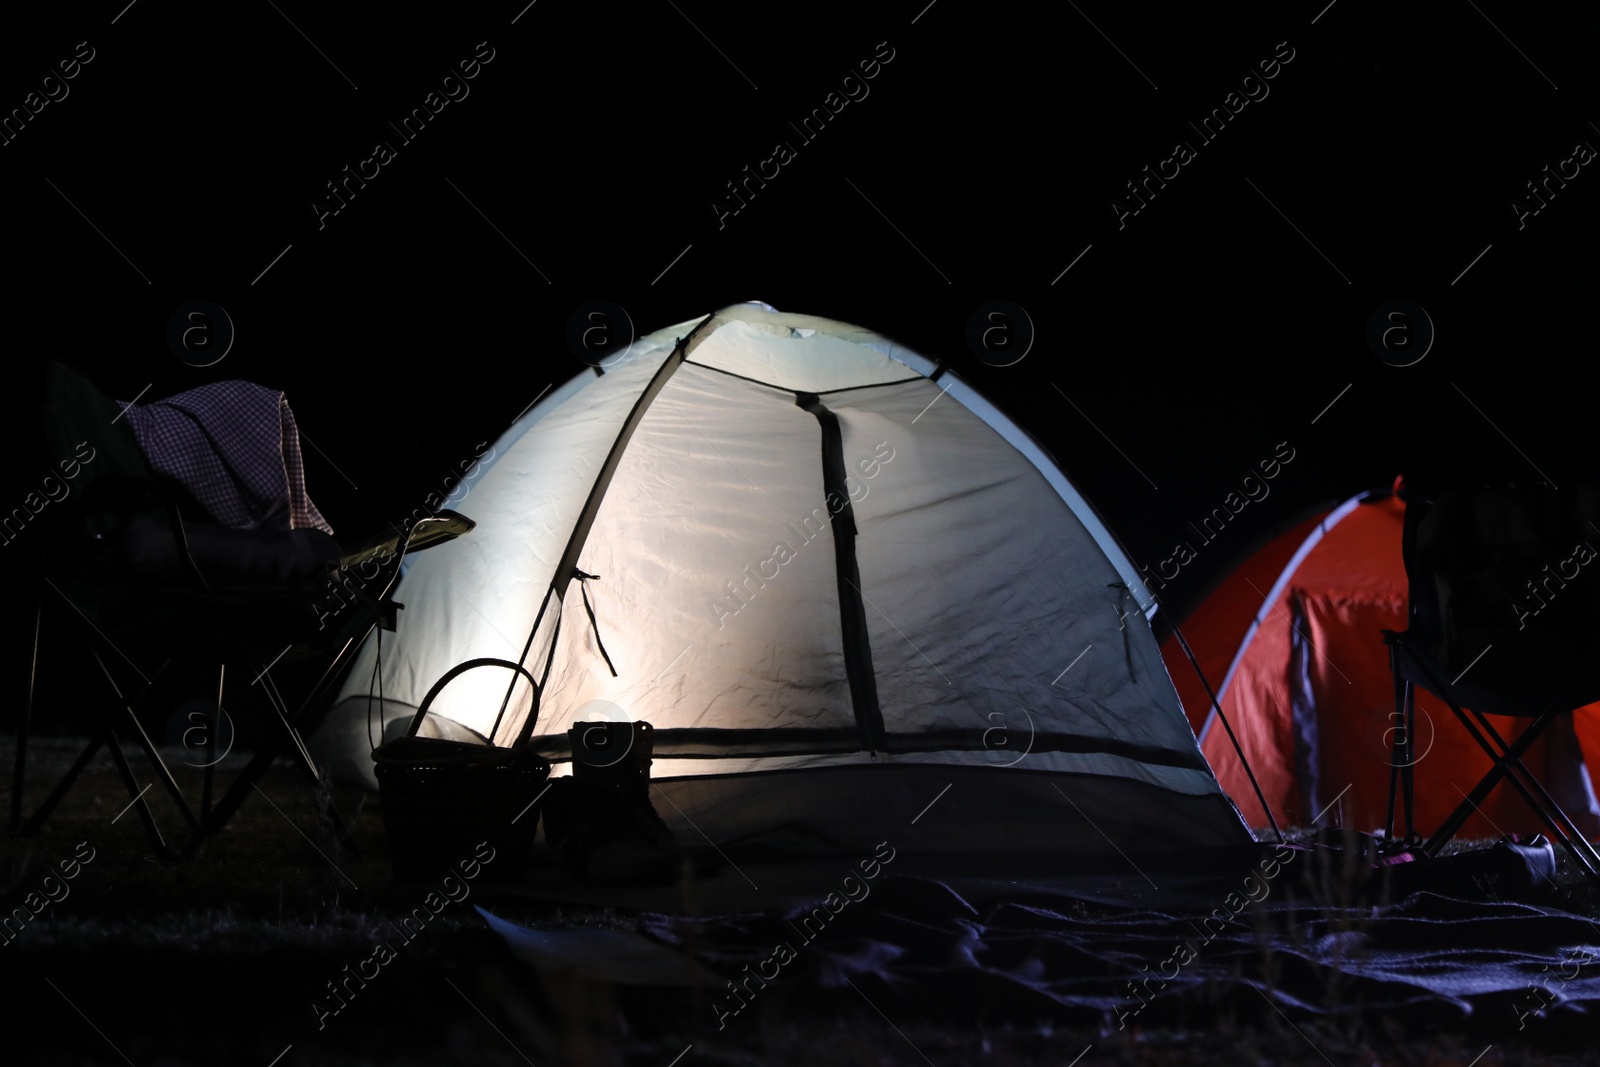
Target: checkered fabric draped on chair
(235,448)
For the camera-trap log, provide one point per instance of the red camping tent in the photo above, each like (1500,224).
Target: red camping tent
(1308,691)
(1216,628)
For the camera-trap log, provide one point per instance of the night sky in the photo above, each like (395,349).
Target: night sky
(587,154)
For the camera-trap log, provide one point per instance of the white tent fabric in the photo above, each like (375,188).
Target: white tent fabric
(980,630)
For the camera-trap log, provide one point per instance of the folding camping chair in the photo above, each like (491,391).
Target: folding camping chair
(134,575)
(1502,620)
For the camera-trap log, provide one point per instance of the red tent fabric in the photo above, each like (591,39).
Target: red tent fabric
(1216,627)
(1311,698)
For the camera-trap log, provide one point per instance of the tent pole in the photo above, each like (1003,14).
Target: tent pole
(1217,704)
(566,567)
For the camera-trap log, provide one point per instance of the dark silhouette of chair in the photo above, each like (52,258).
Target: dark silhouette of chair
(1503,619)
(137,577)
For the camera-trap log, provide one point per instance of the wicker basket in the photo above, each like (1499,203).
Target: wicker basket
(440,798)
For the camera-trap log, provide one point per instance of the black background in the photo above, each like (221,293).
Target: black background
(1212,326)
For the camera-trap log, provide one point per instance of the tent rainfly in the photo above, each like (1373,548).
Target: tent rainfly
(837,582)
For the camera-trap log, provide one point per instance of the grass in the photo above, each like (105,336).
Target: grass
(217,959)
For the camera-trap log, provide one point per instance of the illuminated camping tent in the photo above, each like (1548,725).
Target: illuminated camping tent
(1308,690)
(836,581)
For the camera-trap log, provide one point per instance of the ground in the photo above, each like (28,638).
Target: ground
(221,958)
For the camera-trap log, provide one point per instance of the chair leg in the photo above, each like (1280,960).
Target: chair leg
(19,772)
(280,709)
(1548,809)
(1408,775)
(156,763)
(269,750)
(1481,791)
(1508,765)
(146,816)
(1402,758)
(1552,815)
(37,820)
(1394,748)
(211,745)
(1513,757)
(306,763)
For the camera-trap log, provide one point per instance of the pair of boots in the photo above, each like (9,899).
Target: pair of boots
(600,820)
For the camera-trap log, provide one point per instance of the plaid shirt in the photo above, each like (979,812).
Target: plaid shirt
(235,448)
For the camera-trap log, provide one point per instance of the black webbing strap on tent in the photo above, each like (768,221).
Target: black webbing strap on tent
(567,568)
(852,613)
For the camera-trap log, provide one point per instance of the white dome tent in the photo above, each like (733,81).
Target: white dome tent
(833,578)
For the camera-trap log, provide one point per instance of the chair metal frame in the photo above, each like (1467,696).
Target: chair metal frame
(122,486)
(373,612)
(1411,667)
